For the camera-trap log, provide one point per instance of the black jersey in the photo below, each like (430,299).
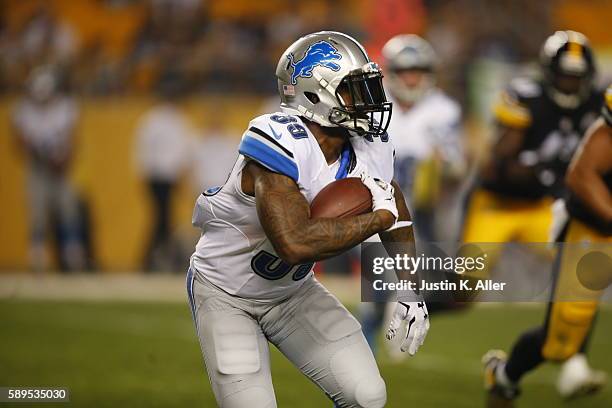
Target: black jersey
(552,134)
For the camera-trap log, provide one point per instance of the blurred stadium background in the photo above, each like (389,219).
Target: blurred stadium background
(118,336)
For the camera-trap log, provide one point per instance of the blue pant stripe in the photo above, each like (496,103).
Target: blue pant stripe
(190,279)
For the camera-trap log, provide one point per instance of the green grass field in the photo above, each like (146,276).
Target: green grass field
(120,354)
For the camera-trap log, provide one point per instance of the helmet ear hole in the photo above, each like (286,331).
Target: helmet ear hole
(312,97)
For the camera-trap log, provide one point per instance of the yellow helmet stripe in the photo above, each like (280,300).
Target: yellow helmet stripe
(574,45)
(574,49)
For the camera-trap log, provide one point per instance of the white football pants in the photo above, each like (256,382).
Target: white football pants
(311,328)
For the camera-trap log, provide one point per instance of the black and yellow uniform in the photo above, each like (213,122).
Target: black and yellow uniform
(579,283)
(574,304)
(503,209)
(569,322)
(551,116)
(571,312)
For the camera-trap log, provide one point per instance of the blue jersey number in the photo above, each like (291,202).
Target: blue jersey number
(282,119)
(383,138)
(270,267)
(296,130)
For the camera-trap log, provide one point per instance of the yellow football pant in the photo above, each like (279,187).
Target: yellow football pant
(575,296)
(493,218)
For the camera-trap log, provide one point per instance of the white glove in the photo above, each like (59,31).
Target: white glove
(383,197)
(415,317)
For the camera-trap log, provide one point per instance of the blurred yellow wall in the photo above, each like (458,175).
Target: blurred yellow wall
(591,17)
(105,173)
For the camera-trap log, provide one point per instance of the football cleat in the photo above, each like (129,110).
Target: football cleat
(498,395)
(577,379)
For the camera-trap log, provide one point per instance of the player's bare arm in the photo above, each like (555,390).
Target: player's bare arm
(285,216)
(584,176)
(403,234)
(504,163)
(410,311)
(393,239)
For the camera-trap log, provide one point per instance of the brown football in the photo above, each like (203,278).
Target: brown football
(342,198)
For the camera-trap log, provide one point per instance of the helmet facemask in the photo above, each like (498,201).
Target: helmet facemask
(362,103)
(569,91)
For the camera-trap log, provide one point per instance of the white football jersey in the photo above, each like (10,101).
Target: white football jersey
(233,252)
(434,122)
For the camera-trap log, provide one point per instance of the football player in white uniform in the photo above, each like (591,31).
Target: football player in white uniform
(250,281)
(426,127)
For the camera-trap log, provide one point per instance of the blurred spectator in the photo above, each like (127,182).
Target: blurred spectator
(214,155)
(162,153)
(44,122)
(44,39)
(168,42)
(118,45)
(40,39)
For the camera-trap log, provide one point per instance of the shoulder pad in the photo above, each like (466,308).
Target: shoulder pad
(270,140)
(525,88)
(446,107)
(510,108)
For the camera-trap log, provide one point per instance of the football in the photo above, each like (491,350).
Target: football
(342,198)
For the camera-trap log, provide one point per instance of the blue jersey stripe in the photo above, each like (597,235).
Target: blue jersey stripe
(345,161)
(262,153)
(270,139)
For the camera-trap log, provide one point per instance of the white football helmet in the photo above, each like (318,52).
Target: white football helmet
(409,52)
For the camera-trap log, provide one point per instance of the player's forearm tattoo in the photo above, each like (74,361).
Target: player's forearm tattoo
(400,241)
(285,217)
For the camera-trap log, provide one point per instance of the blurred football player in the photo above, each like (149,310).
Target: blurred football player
(568,323)
(429,159)
(44,122)
(540,124)
(250,279)
(429,156)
